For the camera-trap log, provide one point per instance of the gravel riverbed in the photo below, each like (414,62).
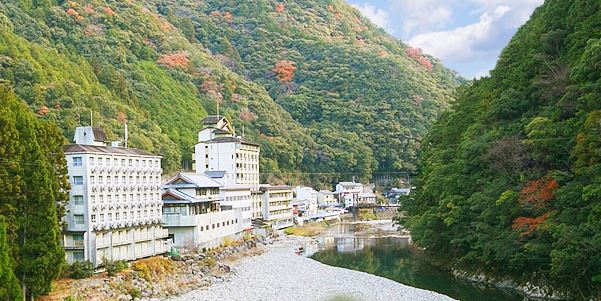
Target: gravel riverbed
(281,274)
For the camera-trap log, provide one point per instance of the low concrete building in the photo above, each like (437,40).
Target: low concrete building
(348,192)
(308,196)
(396,193)
(193,212)
(277,207)
(238,196)
(325,198)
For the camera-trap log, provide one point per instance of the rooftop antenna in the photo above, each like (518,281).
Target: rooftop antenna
(126,133)
(243,131)
(217,100)
(91,119)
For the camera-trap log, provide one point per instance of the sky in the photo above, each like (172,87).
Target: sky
(467,35)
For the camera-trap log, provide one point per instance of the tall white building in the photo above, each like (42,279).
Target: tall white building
(219,149)
(114,208)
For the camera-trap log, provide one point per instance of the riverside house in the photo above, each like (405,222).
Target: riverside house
(277,206)
(348,193)
(194,214)
(114,208)
(325,198)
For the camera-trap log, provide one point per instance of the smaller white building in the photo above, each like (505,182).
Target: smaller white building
(308,196)
(193,213)
(348,193)
(277,206)
(325,198)
(237,196)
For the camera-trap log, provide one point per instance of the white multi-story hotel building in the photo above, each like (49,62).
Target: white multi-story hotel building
(277,207)
(114,208)
(219,149)
(194,213)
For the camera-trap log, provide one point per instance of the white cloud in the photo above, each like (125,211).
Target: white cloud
(375,15)
(422,15)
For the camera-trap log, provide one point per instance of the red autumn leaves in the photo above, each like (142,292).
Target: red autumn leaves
(416,54)
(174,60)
(535,195)
(284,70)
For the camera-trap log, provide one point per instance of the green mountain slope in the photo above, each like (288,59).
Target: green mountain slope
(510,177)
(358,100)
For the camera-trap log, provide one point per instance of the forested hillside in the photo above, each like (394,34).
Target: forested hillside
(317,85)
(510,181)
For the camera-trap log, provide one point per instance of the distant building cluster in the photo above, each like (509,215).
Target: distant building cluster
(121,209)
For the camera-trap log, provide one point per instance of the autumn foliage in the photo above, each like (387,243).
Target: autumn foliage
(122,117)
(284,70)
(43,110)
(177,59)
(279,8)
(416,54)
(109,11)
(528,224)
(248,116)
(539,193)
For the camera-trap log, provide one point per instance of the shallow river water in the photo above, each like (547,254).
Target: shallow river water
(377,249)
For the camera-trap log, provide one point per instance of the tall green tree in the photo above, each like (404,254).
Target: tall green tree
(9,285)
(35,231)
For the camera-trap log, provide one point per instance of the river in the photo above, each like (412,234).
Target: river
(378,249)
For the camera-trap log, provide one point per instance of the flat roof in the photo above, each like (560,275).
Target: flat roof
(84,148)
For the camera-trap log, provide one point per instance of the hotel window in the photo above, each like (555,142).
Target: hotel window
(117,216)
(102,217)
(77,200)
(77,161)
(100,180)
(122,162)
(78,180)
(78,256)
(116,162)
(92,180)
(92,160)
(100,161)
(110,217)
(131,162)
(93,218)
(93,199)
(78,219)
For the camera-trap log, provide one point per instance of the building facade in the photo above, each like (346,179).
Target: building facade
(308,196)
(114,208)
(348,193)
(219,149)
(325,198)
(194,213)
(277,206)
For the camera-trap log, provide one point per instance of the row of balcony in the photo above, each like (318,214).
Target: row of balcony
(126,169)
(123,187)
(124,205)
(100,226)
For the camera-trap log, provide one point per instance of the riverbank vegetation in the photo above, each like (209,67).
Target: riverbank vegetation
(510,177)
(310,229)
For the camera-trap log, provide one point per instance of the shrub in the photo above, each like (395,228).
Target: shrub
(114,267)
(81,269)
(152,269)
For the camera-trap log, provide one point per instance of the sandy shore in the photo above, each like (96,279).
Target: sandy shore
(280,274)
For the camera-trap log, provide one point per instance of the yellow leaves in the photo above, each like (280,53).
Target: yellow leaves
(72,4)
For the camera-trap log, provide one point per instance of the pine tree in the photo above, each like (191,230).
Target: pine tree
(9,285)
(35,232)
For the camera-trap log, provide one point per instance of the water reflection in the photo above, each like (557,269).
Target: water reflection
(373,250)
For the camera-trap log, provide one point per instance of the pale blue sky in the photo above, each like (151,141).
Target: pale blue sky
(467,35)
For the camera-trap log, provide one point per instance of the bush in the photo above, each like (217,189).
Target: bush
(154,268)
(114,267)
(81,269)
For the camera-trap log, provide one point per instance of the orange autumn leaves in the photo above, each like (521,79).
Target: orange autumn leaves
(87,9)
(284,70)
(175,60)
(535,195)
(416,54)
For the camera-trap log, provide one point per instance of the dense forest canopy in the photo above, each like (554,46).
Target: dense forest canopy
(315,83)
(510,182)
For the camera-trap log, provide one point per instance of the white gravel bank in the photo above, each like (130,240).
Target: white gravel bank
(280,274)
